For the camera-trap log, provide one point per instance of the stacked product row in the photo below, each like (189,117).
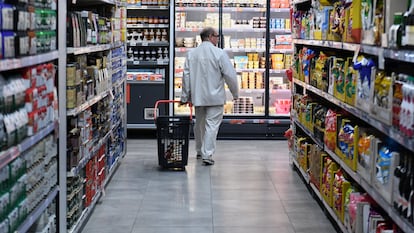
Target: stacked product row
(95,103)
(375,159)
(28,103)
(87,77)
(26,182)
(28,29)
(369,22)
(358,82)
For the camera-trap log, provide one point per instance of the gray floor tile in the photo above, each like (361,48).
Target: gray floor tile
(258,229)
(252,188)
(172,230)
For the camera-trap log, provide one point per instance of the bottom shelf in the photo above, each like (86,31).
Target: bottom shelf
(87,212)
(316,194)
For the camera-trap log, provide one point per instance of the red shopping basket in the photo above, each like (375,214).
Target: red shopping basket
(172,138)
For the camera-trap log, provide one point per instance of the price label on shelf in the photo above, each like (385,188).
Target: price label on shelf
(133,44)
(144,43)
(136,63)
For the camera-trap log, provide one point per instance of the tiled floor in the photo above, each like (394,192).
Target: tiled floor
(252,188)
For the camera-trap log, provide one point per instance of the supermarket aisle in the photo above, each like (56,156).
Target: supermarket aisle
(250,189)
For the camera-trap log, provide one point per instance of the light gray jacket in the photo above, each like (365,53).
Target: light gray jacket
(206,70)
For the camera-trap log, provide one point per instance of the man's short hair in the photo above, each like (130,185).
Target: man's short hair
(206,32)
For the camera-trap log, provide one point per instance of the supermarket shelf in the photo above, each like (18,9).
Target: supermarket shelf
(85,214)
(141,126)
(400,55)
(388,130)
(401,222)
(88,49)
(183,49)
(136,7)
(255,121)
(87,104)
(285,10)
(198,9)
(15,151)
(147,63)
(148,43)
(279,115)
(308,132)
(188,29)
(320,43)
(225,9)
(250,70)
(119,82)
(244,9)
(283,71)
(16,63)
(24,227)
(75,171)
(245,50)
(250,90)
(304,175)
(236,29)
(318,195)
(94,2)
(145,81)
(281,51)
(281,31)
(147,26)
(328,208)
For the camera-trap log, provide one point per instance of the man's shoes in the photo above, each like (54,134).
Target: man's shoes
(198,156)
(208,162)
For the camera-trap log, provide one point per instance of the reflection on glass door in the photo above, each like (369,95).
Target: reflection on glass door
(190,18)
(244,38)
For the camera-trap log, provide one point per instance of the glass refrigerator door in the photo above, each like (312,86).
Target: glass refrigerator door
(244,38)
(190,18)
(280,56)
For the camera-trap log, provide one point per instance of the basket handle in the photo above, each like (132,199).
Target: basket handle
(171,101)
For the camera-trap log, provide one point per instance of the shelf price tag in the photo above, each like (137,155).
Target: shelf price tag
(133,44)
(144,43)
(135,62)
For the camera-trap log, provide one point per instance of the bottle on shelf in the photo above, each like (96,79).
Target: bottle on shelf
(395,34)
(408,27)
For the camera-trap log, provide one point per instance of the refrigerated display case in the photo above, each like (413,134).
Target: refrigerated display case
(149,60)
(256,36)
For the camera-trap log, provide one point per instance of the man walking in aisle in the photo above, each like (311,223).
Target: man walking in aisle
(207,69)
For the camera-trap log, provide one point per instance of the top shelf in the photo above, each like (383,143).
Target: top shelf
(400,55)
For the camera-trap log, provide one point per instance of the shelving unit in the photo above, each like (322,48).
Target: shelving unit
(363,176)
(149,61)
(29,73)
(95,89)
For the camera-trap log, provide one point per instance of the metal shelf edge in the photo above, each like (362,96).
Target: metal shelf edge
(24,227)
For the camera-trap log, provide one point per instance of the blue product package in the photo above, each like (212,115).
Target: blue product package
(8,44)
